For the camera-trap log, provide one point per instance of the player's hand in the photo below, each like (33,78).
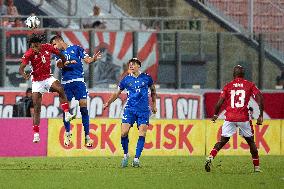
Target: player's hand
(214,118)
(154,109)
(105,105)
(70,62)
(97,56)
(27,76)
(259,120)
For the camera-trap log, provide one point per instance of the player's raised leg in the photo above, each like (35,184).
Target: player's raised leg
(85,121)
(140,144)
(125,127)
(57,87)
(67,135)
(218,146)
(37,98)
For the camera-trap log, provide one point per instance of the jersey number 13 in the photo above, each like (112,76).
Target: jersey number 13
(238,98)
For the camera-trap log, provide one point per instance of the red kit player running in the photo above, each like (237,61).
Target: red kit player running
(236,95)
(38,56)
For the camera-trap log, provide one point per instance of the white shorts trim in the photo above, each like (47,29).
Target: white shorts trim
(42,86)
(230,128)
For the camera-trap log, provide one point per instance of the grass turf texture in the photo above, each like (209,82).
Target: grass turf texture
(155,172)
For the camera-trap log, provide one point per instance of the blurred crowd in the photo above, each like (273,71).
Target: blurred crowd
(7,8)
(9,13)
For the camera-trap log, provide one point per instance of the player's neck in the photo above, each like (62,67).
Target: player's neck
(64,45)
(136,74)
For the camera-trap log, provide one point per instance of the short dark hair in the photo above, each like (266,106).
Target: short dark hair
(36,38)
(135,60)
(55,38)
(29,90)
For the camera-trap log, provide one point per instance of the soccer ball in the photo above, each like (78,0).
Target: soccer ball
(32,22)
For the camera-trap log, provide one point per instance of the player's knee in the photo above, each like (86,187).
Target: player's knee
(225,139)
(84,111)
(61,91)
(250,140)
(124,133)
(37,107)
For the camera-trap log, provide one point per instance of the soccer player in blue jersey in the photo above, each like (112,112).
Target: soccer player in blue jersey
(73,82)
(137,107)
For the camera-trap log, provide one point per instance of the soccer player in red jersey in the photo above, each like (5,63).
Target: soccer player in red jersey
(236,94)
(38,56)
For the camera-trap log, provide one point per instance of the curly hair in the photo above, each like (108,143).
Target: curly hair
(36,38)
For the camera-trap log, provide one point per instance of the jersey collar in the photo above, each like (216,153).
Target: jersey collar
(131,74)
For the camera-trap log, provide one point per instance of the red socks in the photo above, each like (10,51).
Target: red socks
(36,128)
(213,152)
(65,107)
(255,161)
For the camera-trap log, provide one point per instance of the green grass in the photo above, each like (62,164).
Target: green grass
(156,172)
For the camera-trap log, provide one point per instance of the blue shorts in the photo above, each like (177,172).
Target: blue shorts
(76,89)
(131,117)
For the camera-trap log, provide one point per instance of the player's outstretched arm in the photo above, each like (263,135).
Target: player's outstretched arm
(259,100)
(22,71)
(217,108)
(154,97)
(113,97)
(96,57)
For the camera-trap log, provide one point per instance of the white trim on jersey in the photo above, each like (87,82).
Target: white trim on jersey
(70,81)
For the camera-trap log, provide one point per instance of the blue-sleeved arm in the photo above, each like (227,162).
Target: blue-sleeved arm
(150,81)
(122,84)
(81,52)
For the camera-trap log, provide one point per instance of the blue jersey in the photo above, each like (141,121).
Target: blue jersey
(73,72)
(137,91)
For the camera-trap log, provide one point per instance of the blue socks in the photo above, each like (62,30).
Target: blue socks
(140,146)
(124,143)
(85,119)
(66,124)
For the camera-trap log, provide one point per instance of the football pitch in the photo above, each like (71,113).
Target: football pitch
(155,172)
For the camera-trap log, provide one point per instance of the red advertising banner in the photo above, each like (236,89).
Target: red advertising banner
(273,105)
(169,105)
(17,136)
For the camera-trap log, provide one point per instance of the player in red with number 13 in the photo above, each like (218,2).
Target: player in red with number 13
(237,94)
(38,56)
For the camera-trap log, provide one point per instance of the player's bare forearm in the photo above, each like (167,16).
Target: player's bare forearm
(218,106)
(62,57)
(113,97)
(59,64)
(217,109)
(22,71)
(259,100)
(96,57)
(154,97)
(89,60)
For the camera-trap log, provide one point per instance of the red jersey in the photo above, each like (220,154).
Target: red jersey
(237,94)
(40,62)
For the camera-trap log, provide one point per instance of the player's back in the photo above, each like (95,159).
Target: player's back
(237,94)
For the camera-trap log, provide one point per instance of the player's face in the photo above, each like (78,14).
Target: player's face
(36,47)
(56,44)
(133,67)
